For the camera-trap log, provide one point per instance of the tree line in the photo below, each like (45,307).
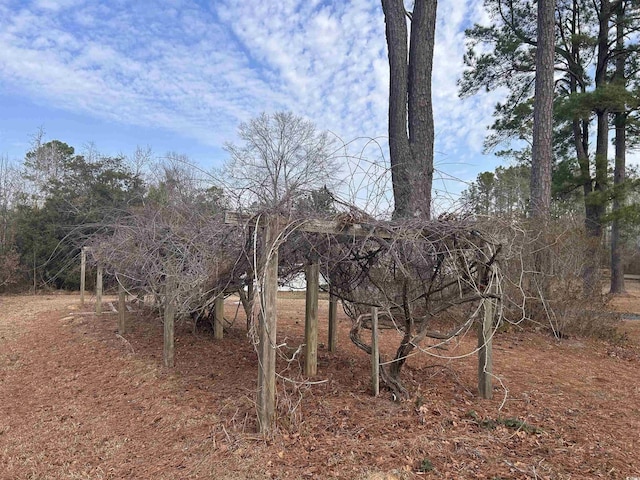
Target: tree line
(569,71)
(595,101)
(573,62)
(56,199)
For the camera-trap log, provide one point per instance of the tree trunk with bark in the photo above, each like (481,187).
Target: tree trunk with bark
(542,151)
(595,205)
(421,129)
(620,123)
(411,130)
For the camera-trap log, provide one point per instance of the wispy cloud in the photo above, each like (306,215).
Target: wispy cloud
(200,68)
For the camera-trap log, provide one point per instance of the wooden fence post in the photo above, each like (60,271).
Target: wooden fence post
(485,349)
(122,309)
(333,321)
(83,271)
(311,320)
(218,317)
(99,290)
(267,330)
(168,353)
(375,353)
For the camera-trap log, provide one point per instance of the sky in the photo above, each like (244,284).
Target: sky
(181,75)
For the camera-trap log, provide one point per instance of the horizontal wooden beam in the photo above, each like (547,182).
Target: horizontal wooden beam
(331,227)
(334,227)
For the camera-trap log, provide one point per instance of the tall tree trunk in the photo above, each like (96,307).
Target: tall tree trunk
(617,268)
(620,122)
(542,152)
(421,129)
(411,131)
(595,204)
(580,127)
(399,149)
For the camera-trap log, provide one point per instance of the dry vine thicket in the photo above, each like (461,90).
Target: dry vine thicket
(554,300)
(427,278)
(203,254)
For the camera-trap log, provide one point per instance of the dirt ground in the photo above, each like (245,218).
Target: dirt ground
(78,401)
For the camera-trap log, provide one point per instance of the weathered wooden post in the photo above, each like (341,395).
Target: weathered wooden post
(83,271)
(122,309)
(485,348)
(249,283)
(375,353)
(267,329)
(218,317)
(268,293)
(312,273)
(169,318)
(99,290)
(333,321)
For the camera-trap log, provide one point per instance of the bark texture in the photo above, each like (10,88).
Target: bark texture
(595,204)
(543,113)
(620,123)
(411,129)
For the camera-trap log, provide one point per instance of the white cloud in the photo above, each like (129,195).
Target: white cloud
(57,5)
(200,69)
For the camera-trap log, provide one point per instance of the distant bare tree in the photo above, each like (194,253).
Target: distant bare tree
(43,165)
(140,161)
(282,158)
(9,188)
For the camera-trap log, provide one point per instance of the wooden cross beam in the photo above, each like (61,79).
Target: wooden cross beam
(331,227)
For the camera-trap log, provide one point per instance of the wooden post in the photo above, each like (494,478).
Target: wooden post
(267,331)
(99,290)
(169,318)
(333,321)
(122,309)
(35,284)
(218,317)
(311,321)
(250,289)
(83,271)
(485,349)
(375,353)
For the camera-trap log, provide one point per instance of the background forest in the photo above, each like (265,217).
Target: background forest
(57,197)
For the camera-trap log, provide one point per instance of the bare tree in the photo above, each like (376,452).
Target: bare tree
(44,165)
(9,188)
(140,161)
(411,130)
(282,158)
(177,179)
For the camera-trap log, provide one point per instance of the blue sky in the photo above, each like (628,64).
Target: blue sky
(180,75)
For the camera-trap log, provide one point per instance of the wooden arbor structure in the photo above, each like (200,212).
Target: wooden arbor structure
(169,307)
(270,229)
